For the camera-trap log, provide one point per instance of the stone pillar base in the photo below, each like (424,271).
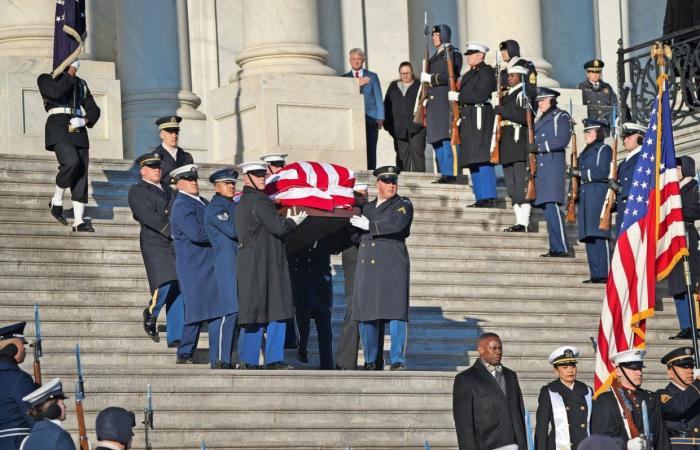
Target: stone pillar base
(309,117)
(22,114)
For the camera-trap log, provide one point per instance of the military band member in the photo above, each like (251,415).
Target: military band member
(598,96)
(476,125)
(624,399)
(438,107)
(564,405)
(151,202)
(632,139)
(680,399)
(171,155)
(514,155)
(594,171)
(114,428)
(15,423)
(219,221)
(71,109)
(552,135)
(49,411)
(510,53)
(382,276)
(487,403)
(264,287)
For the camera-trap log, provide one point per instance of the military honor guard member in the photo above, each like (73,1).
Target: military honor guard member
(552,135)
(632,137)
(514,155)
(618,412)
(438,107)
(382,276)
(15,423)
(194,262)
(264,286)
(219,221)
(564,405)
(477,122)
(487,403)
(151,202)
(171,155)
(275,162)
(594,172)
(49,411)
(510,53)
(680,399)
(114,427)
(71,108)
(598,96)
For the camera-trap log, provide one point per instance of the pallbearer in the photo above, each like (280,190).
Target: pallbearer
(680,399)
(170,153)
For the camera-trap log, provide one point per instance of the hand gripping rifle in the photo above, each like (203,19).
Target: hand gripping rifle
(606,211)
(530,194)
(83,442)
(497,131)
(38,353)
(573,182)
(148,417)
(454,111)
(419,116)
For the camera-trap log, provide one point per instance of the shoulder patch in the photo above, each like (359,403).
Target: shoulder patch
(533,78)
(401,209)
(665,398)
(223,216)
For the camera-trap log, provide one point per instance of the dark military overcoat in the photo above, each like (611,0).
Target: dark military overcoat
(438,109)
(594,164)
(562,408)
(476,111)
(15,423)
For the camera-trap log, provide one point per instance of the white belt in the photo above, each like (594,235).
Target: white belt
(64,110)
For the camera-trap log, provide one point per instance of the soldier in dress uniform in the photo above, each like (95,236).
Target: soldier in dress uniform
(594,171)
(275,162)
(514,147)
(510,53)
(552,135)
(626,395)
(114,428)
(382,276)
(564,405)
(438,107)
(219,220)
(680,399)
(632,138)
(598,96)
(49,411)
(151,202)
(476,125)
(194,263)
(14,421)
(264,287)
(71,109)
(171,155)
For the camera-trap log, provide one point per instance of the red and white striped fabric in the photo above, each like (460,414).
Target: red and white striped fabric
(316,185)
(651,242)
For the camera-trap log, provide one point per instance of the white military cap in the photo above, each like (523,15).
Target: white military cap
(564,355)
(52,389)
(630,128)
(474,46)
(246,167)
(274,157)
(634,358)
(360,187)
(520,70)
(186,171)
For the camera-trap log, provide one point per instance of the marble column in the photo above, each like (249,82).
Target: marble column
(609,25)
(26,28)
(492,22)
(153,64)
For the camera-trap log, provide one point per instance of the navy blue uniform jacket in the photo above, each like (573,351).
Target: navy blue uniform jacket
(552,135)
(594,164)
(219,221)
(47,435)
(15,383)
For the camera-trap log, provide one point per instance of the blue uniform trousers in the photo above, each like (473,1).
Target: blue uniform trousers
(483,180)
(369,334)
(251,340)
(324,331)
(598,251)
(446,157)
(221,332)
(682,310)
(168,295)
(555,227)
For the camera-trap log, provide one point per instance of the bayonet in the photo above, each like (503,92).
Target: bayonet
(38,352)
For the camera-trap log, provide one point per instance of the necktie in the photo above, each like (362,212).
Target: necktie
(357,74)
(500,380)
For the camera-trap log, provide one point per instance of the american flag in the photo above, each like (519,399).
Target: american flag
(651,242)
(68,34)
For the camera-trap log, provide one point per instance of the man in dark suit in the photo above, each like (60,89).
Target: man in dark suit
(171,155)
(487,403)
(680,399)
(374,106)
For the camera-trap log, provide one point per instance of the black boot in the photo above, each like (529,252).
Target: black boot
(57,213)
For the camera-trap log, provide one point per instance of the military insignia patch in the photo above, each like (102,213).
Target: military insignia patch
(533,78)
(223,216)
(605,90)
(665,398)
(402,210)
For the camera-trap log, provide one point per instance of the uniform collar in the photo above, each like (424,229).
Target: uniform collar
(56,422)
(633,152)
(199,199)
(515,88)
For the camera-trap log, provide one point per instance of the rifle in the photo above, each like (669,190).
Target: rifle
(83,442)
(573,186)
(454,127)
(648,435)
(530,194)
(38,353)
(606,211)
(626,405)
(497,132)
(419,116)
(148,417)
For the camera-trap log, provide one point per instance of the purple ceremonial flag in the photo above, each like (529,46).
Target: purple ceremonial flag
(69,33)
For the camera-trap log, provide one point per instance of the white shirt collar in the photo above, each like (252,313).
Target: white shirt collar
(172,151)
(56,422)
(108,445)
(633,152)
(682,388)
(192,196)
(570,387)
(154,184)
(514,88)
(360,73)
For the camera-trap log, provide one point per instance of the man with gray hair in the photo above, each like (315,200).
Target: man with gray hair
(369,85)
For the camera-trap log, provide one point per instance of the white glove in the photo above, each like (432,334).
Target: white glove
(696,373)
(453,96)
(360,222)
(637,443)
(77,122)
(425,77)
(75,64)
(297,218)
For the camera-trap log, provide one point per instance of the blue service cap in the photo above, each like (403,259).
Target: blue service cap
(223,175)
(14,331)
(591,124)
(545,92)
(52,389)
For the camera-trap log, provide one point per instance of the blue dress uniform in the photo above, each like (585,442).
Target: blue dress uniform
(382,277)
(219,219)
(625,173)
(680,405)
(594,168)
(47,432)
(195,269)
(600,97)
(14,421)
(182,158)
(552,135)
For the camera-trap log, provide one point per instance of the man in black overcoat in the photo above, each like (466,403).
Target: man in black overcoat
(171,155)
(487,403)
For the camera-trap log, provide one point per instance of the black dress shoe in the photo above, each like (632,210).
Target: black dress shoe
(445,179)
(399,366)
(223,365)
(553,254)
(517,229)
(278,365)
(683,334)
(149,324)
(57,213)
(245,366)
(596,280)
(303,355)
(476,204)
(174,344)
(488,203)
(184,360)
(369,366)
(84,227)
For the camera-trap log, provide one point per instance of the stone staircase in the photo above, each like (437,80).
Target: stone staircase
(467,277)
